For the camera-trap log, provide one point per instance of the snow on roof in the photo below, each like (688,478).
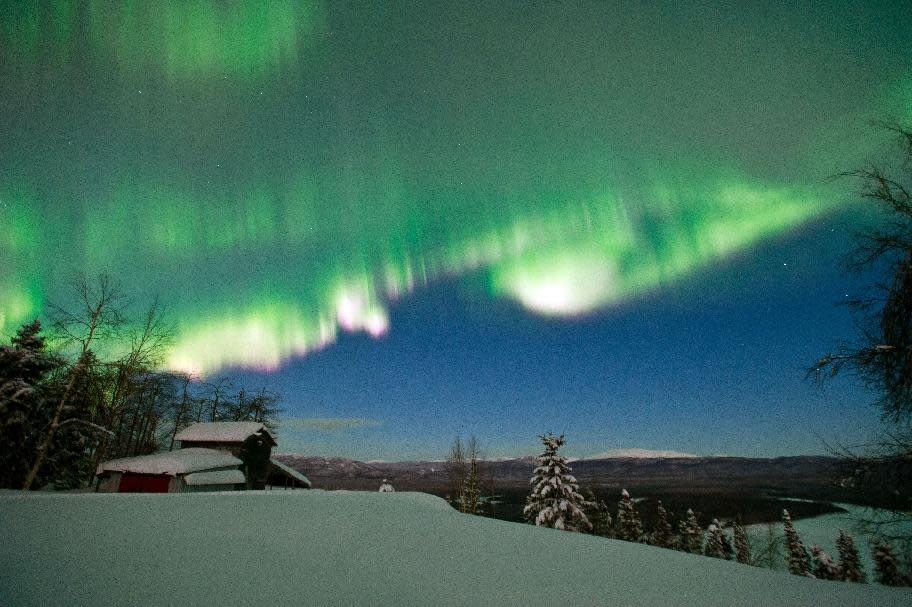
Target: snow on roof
(181,461)
(222,432)
(216,477)
(290,472)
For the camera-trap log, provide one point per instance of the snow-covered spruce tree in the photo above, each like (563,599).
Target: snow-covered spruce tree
(555,500)
(886,565)
(799,563)
(717,544)
(630,527)
(822,564)
(849,561)
(663,536)
(742,546)
(691,533)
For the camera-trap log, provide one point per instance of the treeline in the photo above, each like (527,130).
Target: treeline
(94,388)
(555,501)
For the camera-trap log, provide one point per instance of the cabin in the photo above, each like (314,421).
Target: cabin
(213,456)
(171,472)
(251,442)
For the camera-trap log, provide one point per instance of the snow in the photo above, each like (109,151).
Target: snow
(353,548)
(222,432)
(637,454)
(179,461)
(216,477)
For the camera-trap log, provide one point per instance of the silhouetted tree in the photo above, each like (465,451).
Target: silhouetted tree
(882,356)
(100,313)
(742,545)
(850,568)
(25,370)
(799,563)
(886,565)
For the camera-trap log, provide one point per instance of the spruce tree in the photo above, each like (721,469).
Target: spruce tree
(663,536)
(691,533)
(824,568)
(742,546)
(599,515)
(630,527)
(849,561)
(25,368)
(717,544)
(886,565)
(555,500)
(799,563)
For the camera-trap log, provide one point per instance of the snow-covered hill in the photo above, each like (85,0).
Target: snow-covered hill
(341,548)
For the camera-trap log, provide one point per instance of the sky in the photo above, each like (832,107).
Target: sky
(421,219)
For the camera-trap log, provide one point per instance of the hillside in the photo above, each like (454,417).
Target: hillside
(784,474)
(341,548)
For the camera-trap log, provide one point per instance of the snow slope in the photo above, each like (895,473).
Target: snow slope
(359,548)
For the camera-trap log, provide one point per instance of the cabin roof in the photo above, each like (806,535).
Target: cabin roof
(180,461)
(289,471)
(216,477)
(222,432)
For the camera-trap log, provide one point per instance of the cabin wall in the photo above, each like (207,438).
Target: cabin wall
(109,483)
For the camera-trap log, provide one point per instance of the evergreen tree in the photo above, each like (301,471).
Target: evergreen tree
(663,536)
(691,533)
(727,548)
(25,369)
(742,546)
(555,500)
(630,527)
(599,515)
(717,544)
(799,563)
(886,565)
(849,560)
(470,497)
(824,568)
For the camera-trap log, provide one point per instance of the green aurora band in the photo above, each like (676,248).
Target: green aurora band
(269,263)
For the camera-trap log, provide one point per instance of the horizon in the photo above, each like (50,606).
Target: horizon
(612,222)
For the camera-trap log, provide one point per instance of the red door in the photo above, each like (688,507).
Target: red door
(143,483)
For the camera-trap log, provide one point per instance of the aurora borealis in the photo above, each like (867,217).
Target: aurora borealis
(284,173)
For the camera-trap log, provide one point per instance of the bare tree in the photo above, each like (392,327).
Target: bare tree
(457,471)
(98,317)
(881,356)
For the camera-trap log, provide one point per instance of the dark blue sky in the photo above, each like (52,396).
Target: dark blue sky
(712,365)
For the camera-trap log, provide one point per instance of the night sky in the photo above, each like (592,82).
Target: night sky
(418,219)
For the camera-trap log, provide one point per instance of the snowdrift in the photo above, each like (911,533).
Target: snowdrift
(348,548)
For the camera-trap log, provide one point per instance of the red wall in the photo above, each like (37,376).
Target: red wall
(143,483)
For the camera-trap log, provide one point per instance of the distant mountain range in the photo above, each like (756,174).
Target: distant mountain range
(680,473)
